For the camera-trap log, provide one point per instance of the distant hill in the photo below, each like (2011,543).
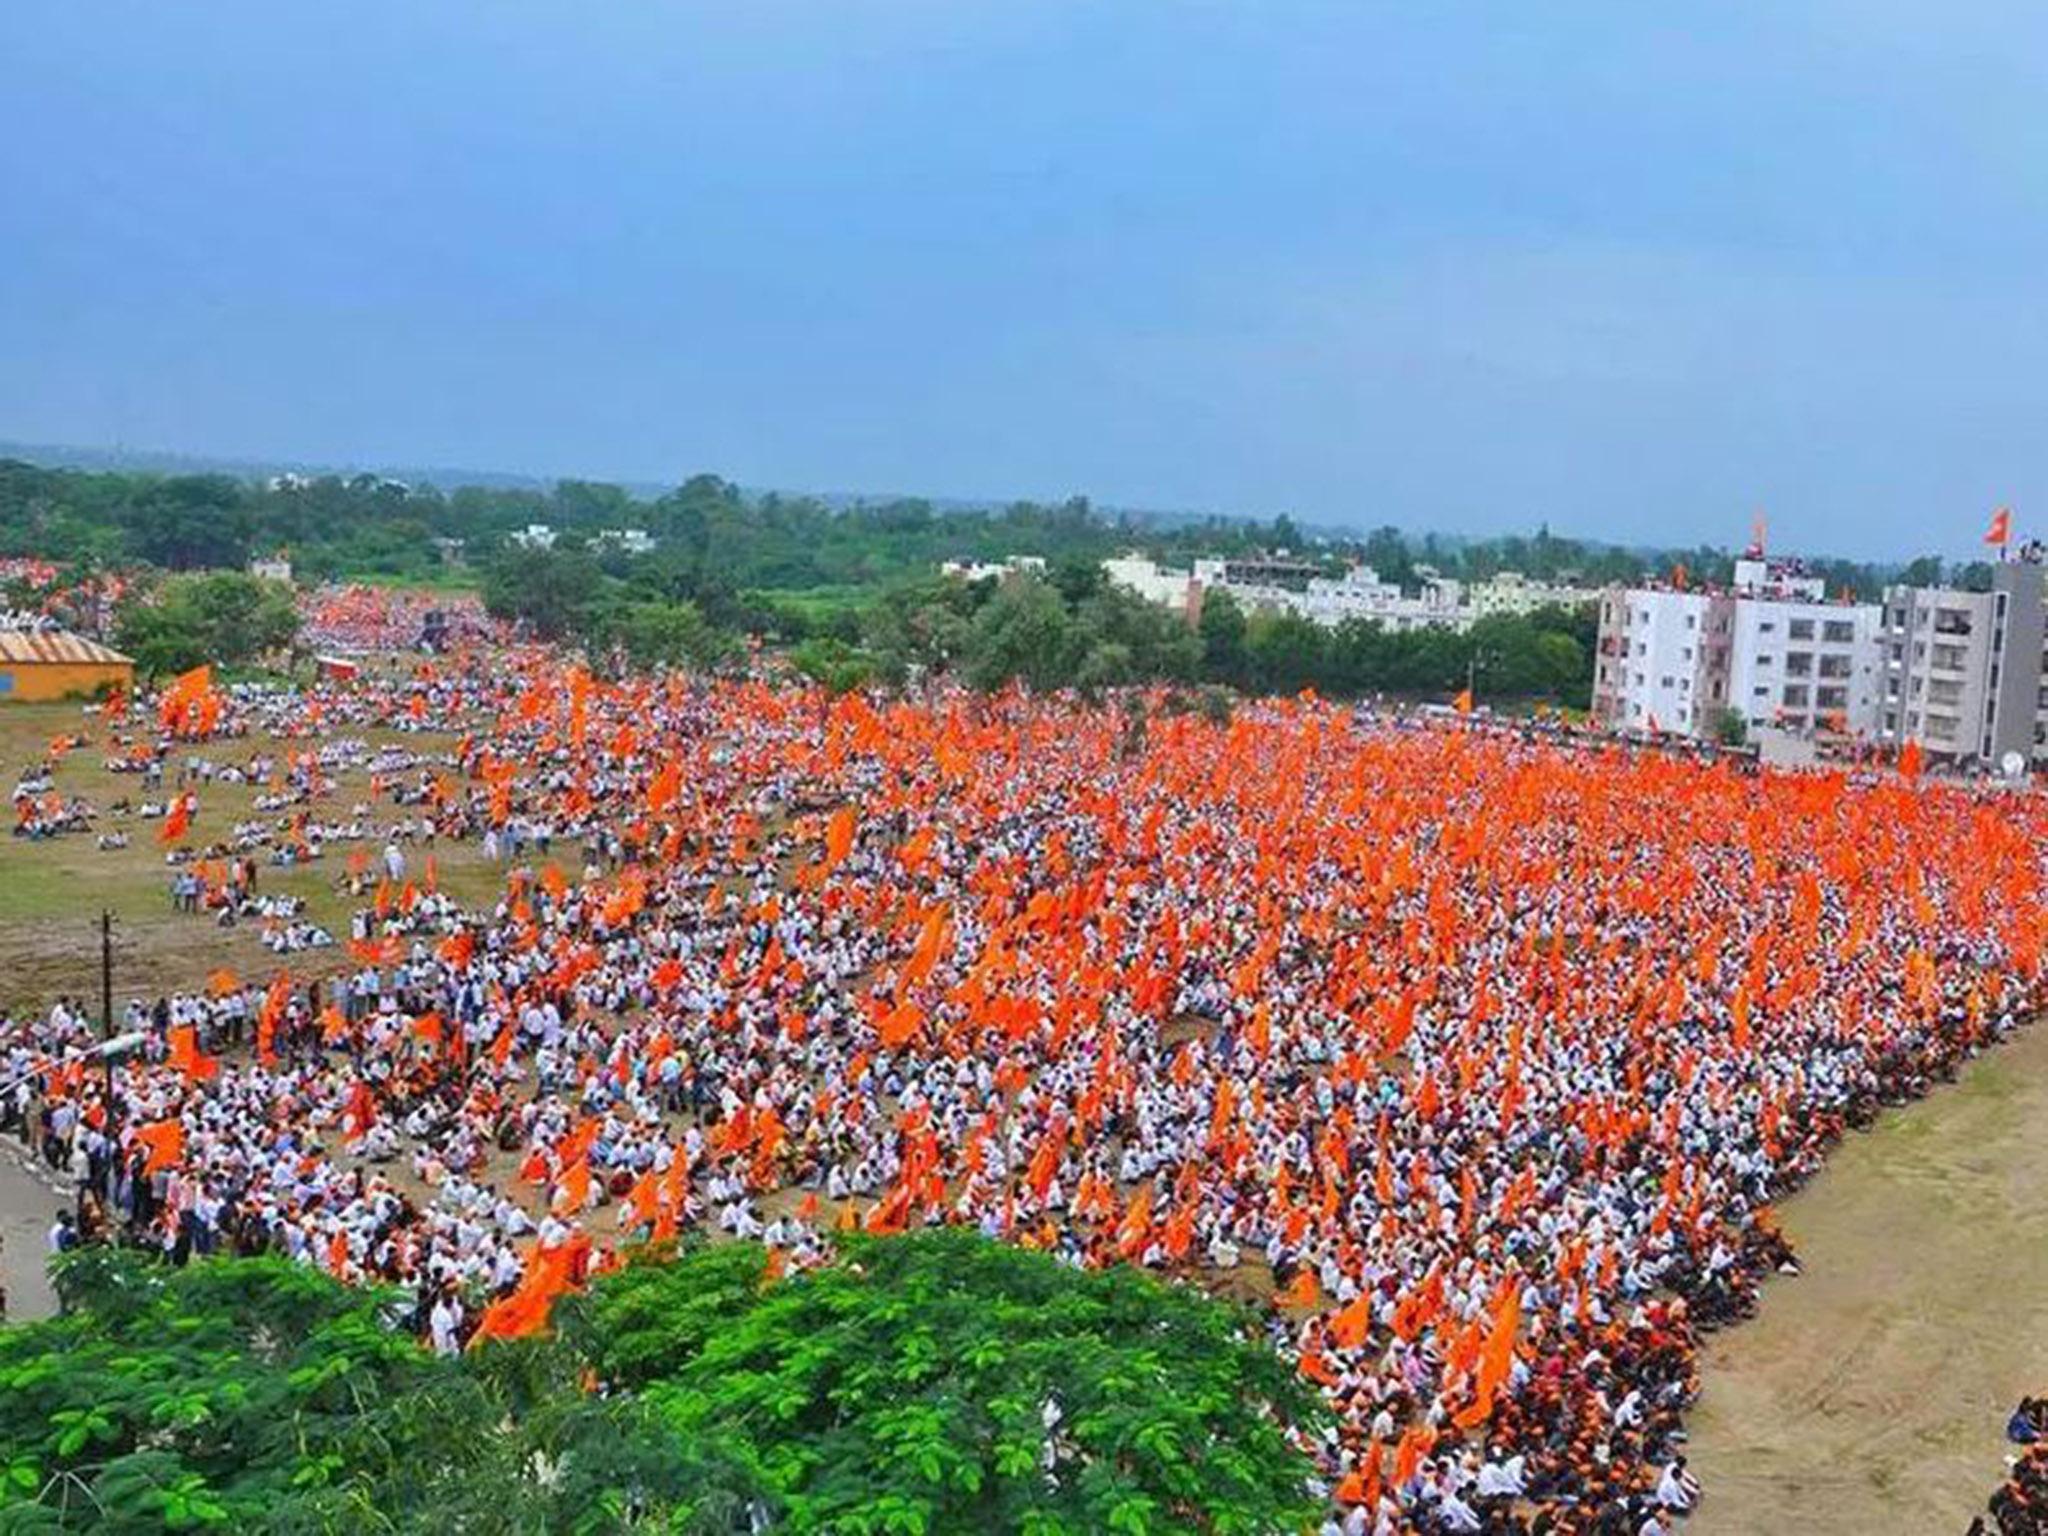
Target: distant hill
(168,462)
(165,462)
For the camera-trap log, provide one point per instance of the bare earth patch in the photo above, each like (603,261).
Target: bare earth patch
(1871,1393)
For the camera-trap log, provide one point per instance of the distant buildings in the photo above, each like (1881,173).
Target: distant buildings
(631,541)
(993,570)
(1771,649)
(1964,671)
(1281,584)
(277,567)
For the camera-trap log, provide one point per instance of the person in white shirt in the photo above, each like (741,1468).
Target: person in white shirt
(444,1324)
(1500,1479)
(1677,1489)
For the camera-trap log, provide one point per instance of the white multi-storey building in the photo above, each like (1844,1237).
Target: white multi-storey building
(1803,664)
(1964,672)
(1661,663)
(1513,593)
(1771,649)
(1168,586)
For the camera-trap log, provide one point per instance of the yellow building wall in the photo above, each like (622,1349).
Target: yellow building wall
(38,681)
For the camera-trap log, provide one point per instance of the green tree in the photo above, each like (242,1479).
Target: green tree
(1221,628)
(943,1382)
(1731,729)
(665,635)
(833,664)
(223,617)
(1285,652)
(189,522)
(551,590)
(1022,632)
(246,1394)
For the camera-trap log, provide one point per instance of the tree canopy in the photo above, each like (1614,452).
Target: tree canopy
(943,1382)
(932,1382)
(222,616)
(241,1394)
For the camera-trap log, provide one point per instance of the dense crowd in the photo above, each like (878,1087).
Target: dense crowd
(1477,1059)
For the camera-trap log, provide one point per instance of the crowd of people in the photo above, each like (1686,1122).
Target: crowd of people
(2020,1506)
(1477,1060)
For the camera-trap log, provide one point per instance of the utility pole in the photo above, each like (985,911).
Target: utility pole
(107,1005)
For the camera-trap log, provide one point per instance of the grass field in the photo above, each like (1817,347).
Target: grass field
(52,892)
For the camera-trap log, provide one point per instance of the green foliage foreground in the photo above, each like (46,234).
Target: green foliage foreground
(930,1383)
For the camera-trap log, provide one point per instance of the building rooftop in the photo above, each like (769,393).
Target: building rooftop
(54,646)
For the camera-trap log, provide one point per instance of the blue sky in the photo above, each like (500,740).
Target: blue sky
(1453,266)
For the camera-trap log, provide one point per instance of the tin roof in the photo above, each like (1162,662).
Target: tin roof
(27,647)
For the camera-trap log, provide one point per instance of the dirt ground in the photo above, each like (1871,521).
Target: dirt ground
(1870,1394)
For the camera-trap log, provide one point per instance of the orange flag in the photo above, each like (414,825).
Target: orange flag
(900,1025)
(574,1190)
(176,820)
(166,1142)
(664,787)
(186,1057)
(1350,1324)
(839,836)
(1304,1292)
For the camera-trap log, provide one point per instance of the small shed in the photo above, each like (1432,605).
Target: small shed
(43,664)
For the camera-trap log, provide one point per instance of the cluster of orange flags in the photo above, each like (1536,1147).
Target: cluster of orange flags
(190,706)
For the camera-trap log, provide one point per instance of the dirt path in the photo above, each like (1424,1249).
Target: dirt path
(1871,1393)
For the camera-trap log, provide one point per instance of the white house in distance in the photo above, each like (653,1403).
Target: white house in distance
(994,570)
(1771,647)
(1281,585)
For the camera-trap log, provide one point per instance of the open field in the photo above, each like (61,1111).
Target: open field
(1870,1394)
(52,892)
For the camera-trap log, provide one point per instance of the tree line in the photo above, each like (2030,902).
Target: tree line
(366,526)
(1070,628)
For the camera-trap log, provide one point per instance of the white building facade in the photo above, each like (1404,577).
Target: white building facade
(1771,649)
(1283,586)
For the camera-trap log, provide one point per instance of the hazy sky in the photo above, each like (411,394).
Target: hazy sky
(1451,265)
